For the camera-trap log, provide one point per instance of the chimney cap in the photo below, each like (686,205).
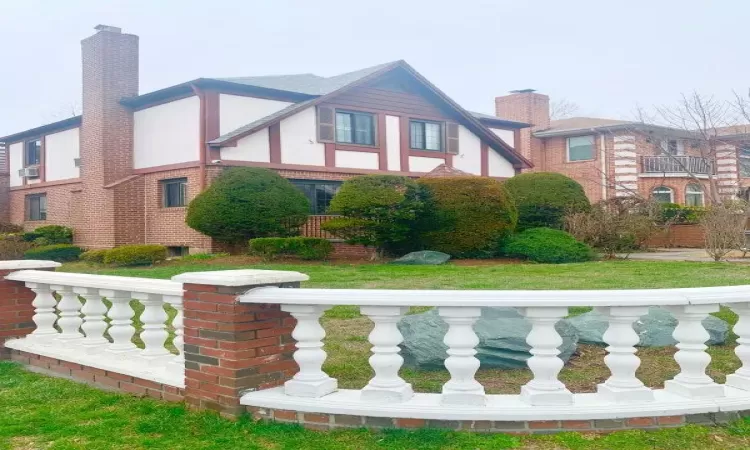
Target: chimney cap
(523,91)
(108,28)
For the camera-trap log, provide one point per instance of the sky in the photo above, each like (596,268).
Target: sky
(605,56)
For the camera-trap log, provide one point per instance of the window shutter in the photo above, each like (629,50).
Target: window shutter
(451,138)
(326,124)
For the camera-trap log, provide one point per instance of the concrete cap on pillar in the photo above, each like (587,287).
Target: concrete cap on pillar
(245,277)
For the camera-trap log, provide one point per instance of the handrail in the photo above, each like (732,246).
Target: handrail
(116,283)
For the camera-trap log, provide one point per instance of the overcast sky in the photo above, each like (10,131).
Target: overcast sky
(606,56)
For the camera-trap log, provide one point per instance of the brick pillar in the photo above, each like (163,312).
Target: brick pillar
(16,310)
(231,347)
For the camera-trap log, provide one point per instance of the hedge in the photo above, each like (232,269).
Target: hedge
(470,215)
(303,247)
(546,245)
(136,255)
(94,256)
(544,198)
(56,252)
(50,234)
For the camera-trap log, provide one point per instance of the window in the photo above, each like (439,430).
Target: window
(744,161)
(672,147)
(426,135)
(33,154)
(177,252)
(36,207)
(662,194)
(580,148)
(319,193)
(355,128)
(173,192)
(693,195)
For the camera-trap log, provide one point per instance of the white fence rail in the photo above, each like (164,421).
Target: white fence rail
(79,327)
(545,397)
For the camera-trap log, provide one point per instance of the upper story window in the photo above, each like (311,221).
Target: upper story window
(174,192)
(36,207)
(355,128)
(673,147)
(33,153)
(425,135)
(744,160)
(580,148)
(319,193)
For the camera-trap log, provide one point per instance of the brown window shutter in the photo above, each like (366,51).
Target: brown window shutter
(451,138)
(326,124)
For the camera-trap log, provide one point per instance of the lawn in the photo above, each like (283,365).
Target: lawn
(36,410)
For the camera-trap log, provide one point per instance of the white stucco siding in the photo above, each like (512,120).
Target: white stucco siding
(469,158)
(506,135)
(393,142)
(423,164)
(499,166)
(167,134)
(61,149)
(15,163)
(236,111)
(357,160)
(254,147)
(299,142)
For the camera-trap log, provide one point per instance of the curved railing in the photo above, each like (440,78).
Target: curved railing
(545,397)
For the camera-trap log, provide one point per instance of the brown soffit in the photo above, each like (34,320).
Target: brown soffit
(67,124)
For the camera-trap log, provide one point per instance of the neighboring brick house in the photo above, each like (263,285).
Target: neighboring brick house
(124,170)
(617,158)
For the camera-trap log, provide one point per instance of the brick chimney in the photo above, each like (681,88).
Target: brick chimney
(110,73)
(526,106)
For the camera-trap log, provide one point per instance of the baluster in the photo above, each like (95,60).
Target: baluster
(94,311)
(741,378)
(70,313)
(623,386)
(44,311)
(545,388)
(154,333)
(121,314)
(462,388)
(310,381)
(179,331)
(691,337)
(386,386)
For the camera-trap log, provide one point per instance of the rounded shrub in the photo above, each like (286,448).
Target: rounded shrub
(546,245)
(50,234)
(382,211)
(136,255)
(544,198)
(470,215)
(94,256)
(56,252)
(245,203)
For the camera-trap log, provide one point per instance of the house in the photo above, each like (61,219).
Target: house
(123,171)
(618,158)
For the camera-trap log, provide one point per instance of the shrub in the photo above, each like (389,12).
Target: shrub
(136,255)
(672,213)
(94,256)
(50,234)
(12,246)
(203,256)
(724,228)
(247,202)
(546,245)
(303,247)
(56,252)
(471,215)
(544,198)
(382,211)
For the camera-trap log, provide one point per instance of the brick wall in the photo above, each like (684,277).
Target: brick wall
(62,206)
(684,236)
(15,311)
(4,197)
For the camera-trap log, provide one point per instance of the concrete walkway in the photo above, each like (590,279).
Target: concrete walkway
(682,254)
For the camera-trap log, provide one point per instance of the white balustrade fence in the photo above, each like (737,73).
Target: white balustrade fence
(545,397)
(76,327)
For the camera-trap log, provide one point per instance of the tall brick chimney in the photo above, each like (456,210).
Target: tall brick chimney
(110,73)
(526,106)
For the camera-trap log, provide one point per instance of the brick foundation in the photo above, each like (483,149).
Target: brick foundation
(685,236)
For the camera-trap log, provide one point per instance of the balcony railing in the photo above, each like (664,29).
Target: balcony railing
(676,164)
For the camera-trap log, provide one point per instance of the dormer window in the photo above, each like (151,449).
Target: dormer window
(33,153)
(355,128)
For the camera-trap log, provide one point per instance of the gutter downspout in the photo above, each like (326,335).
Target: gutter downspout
(201,137)
(603,157)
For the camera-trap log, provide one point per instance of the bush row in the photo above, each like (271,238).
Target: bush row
(126,255)
(302,247)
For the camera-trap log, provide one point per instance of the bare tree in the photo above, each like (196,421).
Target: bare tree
(724,228)
(562,109)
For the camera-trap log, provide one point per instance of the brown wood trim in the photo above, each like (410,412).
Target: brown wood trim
(382,137)
(42,159)
(163,101)
(46,184)
(428,154)
(449,159)
(212,109)
(330,155)
(274,142)
(404,141)
(357,148)
(416,116)
(517,141)
(202,153)
(321,169)
(485,160)
(185,165)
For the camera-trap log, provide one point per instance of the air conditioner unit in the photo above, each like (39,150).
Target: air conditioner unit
(77,162)
(29,172)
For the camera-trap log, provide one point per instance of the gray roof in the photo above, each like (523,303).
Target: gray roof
(260,122)
(581,123)
(482,116)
